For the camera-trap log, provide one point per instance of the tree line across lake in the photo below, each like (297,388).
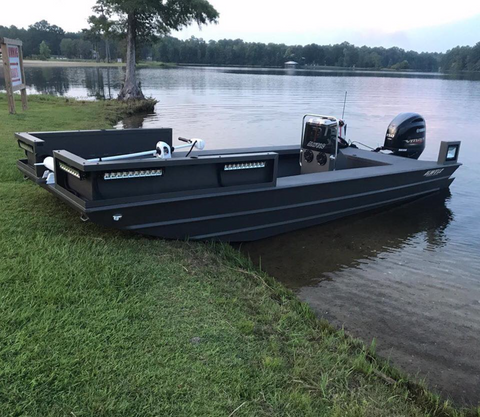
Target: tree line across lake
(42,40)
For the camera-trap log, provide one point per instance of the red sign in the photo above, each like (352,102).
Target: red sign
(13,52)
(14,59)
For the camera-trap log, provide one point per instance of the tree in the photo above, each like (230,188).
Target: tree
(144,19)
(93,35)
(104,27)
(401,65)
(83,48)
(43,31)
(44,51)
(67,48)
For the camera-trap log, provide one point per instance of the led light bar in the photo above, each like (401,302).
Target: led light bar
(121,175)
(244,165)
(25,146)
(69,170)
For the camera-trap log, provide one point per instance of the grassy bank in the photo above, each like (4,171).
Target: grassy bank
(95,322)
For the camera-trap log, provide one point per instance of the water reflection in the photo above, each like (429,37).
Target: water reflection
(105,82)
(98,83)
(309,256)
(48,80)
(132,122)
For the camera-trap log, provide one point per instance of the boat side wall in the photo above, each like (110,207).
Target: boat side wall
(254,215)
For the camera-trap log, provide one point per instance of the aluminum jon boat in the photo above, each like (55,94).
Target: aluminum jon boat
(137,180)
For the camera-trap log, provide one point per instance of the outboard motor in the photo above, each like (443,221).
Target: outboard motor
(319,144)
(406,135)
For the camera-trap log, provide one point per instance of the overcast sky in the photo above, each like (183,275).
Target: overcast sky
(412,24)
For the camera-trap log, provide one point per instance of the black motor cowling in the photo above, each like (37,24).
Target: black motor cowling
(406,135)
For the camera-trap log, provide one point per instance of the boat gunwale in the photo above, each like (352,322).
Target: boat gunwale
(91,206)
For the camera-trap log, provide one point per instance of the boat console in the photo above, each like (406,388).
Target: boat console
(319,143)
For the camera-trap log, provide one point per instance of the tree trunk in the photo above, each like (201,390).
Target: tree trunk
(97,53)
(108,56)
(130,89)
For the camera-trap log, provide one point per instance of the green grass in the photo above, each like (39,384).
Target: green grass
(95,322)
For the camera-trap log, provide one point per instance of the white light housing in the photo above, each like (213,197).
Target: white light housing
(244,165)
(121,175)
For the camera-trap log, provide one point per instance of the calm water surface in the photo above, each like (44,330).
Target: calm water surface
(408,277)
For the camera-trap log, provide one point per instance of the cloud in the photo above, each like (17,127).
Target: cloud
(413,24)
(433,38)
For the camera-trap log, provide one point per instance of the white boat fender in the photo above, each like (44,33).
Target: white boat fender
(49,173)
(49,163)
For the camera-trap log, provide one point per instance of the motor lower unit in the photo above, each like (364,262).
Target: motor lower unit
(406,135)
(319,145)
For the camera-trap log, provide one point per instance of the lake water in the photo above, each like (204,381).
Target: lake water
(408,277)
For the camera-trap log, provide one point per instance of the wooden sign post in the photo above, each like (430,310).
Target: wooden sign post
(13,71)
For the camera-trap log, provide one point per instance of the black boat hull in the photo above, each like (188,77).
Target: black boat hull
(262,213)
(200,198)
